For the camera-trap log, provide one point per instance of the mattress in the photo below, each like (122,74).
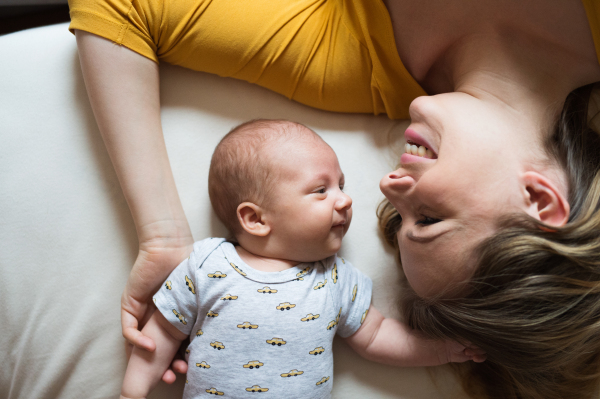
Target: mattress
(67,240)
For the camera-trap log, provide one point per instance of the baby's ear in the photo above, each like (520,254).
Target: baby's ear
(544,200)
(251,219)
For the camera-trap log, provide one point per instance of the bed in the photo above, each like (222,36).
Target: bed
(68,241)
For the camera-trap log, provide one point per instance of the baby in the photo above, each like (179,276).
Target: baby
(261,311)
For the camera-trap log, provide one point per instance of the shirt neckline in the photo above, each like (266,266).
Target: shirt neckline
(297,272)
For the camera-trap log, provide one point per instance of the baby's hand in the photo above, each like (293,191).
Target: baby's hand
(454,352)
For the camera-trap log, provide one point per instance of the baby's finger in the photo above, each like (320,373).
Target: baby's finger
(169,376)
(179,366)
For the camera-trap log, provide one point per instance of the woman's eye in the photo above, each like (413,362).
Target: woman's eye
(426,221)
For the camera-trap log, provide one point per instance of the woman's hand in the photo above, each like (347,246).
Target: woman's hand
(159,253)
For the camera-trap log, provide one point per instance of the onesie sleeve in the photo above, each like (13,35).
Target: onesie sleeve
(177,298)
(352,293)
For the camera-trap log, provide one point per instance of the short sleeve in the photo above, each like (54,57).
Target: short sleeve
(177,298)
(352,293)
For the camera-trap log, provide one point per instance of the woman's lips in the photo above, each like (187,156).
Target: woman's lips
(415,138)
(410,158)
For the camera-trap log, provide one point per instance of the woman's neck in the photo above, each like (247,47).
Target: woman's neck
(489,45)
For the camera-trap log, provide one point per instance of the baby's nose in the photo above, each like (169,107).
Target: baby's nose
(345,201)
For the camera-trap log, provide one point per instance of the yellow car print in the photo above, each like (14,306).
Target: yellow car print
(168,284)
(214,391)
(179,316)
(334,273)
(217,274)
(199,332)
(276,341)
(303,272)
(210,313)
(229,298)
(285,305)
(337,318)
(247,325)
(254,364)
(323,380)
(203,364)
(217,345)
(343,261)
(320,285)
(267,290)
(364,316)
(354,292)
(190,285)
(237,269)
(256,388)
(331,324)
(317,351)
(292,373)
(310,317)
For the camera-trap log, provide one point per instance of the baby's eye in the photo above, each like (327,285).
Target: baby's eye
(321,190)
(426,221)
(341,187)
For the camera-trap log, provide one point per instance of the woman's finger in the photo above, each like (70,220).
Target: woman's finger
(129,324)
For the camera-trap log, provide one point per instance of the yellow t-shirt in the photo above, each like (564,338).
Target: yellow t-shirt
(336,55)
(592,9)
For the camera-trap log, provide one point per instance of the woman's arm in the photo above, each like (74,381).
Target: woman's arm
(389,341)
(123,88)
(145,369)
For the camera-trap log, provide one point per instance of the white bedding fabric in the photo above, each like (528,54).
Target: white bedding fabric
(68,241)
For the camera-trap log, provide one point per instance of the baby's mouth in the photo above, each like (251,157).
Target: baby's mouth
(418,150)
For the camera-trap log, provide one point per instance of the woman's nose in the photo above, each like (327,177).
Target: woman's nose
(396,182)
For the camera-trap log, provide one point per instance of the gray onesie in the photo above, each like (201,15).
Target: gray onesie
(265,333)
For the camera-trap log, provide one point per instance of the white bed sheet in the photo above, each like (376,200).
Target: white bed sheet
(67,240)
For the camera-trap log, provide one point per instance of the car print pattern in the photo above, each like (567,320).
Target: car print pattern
(267,290)
(256,388)
(317,351)
(292,373)
(214,391)
(285,306)
(310,317)
(247,325)
(236,268)
(180,317)
(323,380)
(276,341)
(254,364)
(217,345)
(190,285)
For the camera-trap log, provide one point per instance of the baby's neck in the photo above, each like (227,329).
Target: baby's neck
(264,264)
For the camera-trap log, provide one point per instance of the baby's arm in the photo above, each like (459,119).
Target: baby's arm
(145,369)
(389,341)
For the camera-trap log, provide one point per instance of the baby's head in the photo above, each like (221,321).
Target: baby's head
(277,187)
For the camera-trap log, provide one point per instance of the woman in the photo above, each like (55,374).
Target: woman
(498,75)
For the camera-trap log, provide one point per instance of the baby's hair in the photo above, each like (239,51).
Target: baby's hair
(241,169)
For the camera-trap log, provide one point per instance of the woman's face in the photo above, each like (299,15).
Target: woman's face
(451,202)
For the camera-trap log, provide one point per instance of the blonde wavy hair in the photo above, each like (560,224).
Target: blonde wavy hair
(533,303)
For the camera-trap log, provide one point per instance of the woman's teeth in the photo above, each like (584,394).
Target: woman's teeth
(418,150)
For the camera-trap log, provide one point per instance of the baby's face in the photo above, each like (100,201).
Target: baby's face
(309,212)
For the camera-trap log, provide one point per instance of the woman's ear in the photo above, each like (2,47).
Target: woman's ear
(251,219)
(544,200)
